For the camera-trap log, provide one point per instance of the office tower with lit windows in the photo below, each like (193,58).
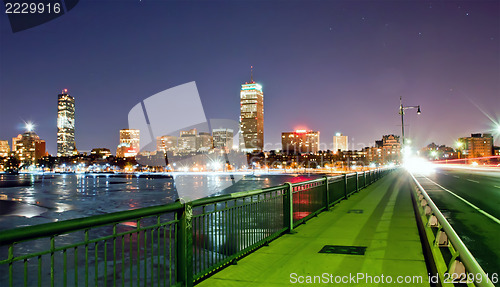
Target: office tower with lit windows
(340,142)
(65,124)
(251,117)
(187,141)
(129,143)
(205,142)
(166,143)
(28,147)
(300,141)
(223,139)
(477,145)
(4,149)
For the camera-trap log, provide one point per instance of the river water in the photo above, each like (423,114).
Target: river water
(35,199)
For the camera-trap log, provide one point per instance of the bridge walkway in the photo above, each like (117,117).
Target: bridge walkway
(379,217)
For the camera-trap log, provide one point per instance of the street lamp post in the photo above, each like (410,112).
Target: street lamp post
(402,113)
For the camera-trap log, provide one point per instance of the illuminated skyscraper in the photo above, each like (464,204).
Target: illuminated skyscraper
(300,141)
(251,116)
(65,124)
(340,142)
(129,143)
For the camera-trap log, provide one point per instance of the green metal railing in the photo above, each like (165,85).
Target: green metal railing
(176,244)
(454,263)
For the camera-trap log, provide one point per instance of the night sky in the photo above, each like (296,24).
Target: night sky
(331,66)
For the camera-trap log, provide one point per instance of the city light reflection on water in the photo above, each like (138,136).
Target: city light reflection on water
(36,199)
(60,197)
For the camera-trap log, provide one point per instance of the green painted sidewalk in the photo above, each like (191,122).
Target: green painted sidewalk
(379,217)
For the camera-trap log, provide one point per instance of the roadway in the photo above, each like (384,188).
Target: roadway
(470,200)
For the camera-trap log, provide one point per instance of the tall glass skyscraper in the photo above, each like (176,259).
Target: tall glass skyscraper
(65,124)
(251,117)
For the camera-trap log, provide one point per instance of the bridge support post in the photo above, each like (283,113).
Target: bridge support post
(357,183)
(288,208)
(327,194)
(364,179)
(345,185)
(184,260)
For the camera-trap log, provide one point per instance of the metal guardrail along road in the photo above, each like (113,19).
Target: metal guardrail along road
(453,261)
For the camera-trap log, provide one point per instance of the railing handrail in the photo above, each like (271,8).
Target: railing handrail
(54,228)
(470,263)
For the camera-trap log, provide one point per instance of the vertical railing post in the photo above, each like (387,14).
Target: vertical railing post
(357,183)
(327,194)
(288,207)
(184,264)
(364,179)
(345,185)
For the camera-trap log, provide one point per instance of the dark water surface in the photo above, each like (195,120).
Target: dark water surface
(35,199)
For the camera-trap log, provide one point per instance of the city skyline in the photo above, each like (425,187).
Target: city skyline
(332,67)
(124,149)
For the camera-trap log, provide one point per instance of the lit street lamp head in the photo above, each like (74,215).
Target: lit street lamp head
(418,111)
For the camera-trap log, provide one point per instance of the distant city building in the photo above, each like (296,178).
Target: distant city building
(187,141)
(65,124)
(129,143)
(300,141)
(223,138)
(251,117)
(438,152)
(166,143)
(4,149)
(373,154)
(391,149)
(188,132)
(205,142)
(496,150)
(28,147)
(340,142)
(351,158)
(386,150)
(477,145)
(101,153)
(191,141)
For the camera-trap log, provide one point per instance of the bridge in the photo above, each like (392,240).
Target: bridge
(381,227)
